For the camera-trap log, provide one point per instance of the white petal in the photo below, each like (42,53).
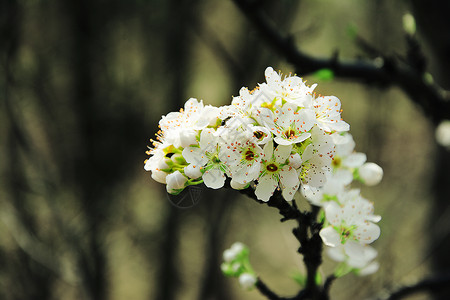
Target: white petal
(207,140)
(268,150)
(369,269)
(193,171)
(194,155)
(333,213)
(307,118)
(336,253)
(314,195)
(214,178)
(288,177)
(282,153)
(265,188)
(367,232)
(355,250)
(159,176)
(330,237)
(236,185)
(188,137)
(354,160)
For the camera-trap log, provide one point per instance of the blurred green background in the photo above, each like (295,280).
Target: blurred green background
(83,86)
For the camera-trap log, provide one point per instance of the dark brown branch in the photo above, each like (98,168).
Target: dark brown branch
(307,233)
(390,72)
(429,284)
(266,291)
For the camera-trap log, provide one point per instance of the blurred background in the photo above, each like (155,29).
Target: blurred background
(83,85)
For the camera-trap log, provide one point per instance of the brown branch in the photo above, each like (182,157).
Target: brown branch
(428,284)
(391,72)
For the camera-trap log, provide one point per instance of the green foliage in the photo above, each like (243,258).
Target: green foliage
(324,75)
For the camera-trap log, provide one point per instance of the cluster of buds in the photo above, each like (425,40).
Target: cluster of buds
(237,264)
(279,136)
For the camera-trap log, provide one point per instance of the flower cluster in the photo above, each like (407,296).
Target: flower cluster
(237,264)
(277,136)
(349,220)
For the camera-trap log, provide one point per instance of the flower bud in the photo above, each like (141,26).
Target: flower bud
(370,173)
(177,158)
(233,252)
(247,280)
(443,133)
(175,181)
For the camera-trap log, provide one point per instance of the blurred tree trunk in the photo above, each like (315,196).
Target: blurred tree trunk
(432,17)
(178,53)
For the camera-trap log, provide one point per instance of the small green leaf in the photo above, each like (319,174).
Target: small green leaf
(352,31)
(318,278)
(324,74)
(299,278)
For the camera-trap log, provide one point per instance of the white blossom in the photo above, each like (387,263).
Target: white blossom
(247,280)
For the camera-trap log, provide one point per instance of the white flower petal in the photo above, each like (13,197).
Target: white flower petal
(369,269)
(282,153)
(288,177)
(354,160)
(195,155)
(336,253)
(354,250)
(330,237)
(265,188)
(214,178)
(159,176)
(193,171)
(367,232)
(333,213)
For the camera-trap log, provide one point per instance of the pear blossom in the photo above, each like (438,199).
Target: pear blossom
(291,89)
(328,114)
(243,156)
(356,256)
(276,173)
(351,221)
(288,125)
(279,136)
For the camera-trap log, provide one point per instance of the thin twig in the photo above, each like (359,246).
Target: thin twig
(391,72)
(266,291)
(428,284)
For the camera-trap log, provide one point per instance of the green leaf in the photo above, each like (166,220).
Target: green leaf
(324,74)
(318,278)
(352,31)
(300,278)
